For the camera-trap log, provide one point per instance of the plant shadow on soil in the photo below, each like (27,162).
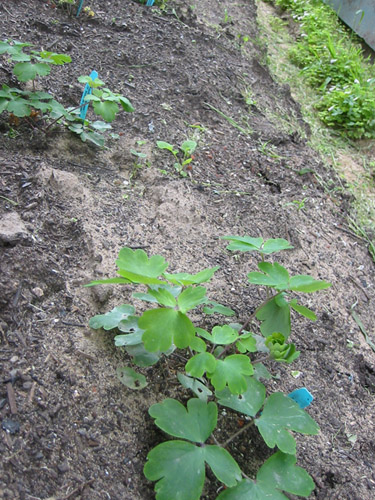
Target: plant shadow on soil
(69,428)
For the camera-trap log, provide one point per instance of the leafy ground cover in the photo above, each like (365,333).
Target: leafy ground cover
(69,427)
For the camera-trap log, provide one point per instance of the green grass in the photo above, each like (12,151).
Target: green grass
(337,148)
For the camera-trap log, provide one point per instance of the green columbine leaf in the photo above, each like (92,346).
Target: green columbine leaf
(191,297)
(194,385)
(213,307)
(279,472)
(142,357)
(164,327)
(198,345)
(163,297)
(243,243)
(3,104)
(106,109)
(223,335)
(274,319)
(179,468)
(201,363)
(273,275)
(138,268)
(131,378)
(100,126)
(125,104)
(54,58)
(167,146)
(192,279)
(281,415)
(222,464)
(275,245)
(249,402)
(19,107)
(304,311)
(249,244)
(260,371)
(111,319)
(26,71)
(188,147)
(307,284)
(246,343)
(231,371)
(93,137)
(195,423)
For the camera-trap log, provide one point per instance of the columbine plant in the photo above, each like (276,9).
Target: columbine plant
(187,148)
(41,110)
(223,367)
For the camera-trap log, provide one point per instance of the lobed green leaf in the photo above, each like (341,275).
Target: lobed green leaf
(281,415)
(249,402)
(111,319)
(231,372)
(194,423)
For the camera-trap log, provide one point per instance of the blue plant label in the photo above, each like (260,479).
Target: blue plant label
(87,91)
(79,8)
(302,397)
(150,3)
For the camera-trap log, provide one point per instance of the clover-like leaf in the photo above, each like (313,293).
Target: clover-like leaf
(195,385)
(273,275)
(243,243)
(222,464)
(111,319)
(165,326)
(281,471)
(131,378)
(246,343)
(19,107)
(194,423)
(223,335)
(231,372)
(26,71)
(201,363)
(54,58)
(135,266)
(179,469)
(213,307)
(249,402)
(191,297)
(106,109)
(198,345)
(304,311)
(278,473)
(280,415)
(274,318)
(307,284)
(192,279)
(249,244)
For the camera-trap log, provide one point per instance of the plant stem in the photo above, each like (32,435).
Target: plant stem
(248,321)
(238,433)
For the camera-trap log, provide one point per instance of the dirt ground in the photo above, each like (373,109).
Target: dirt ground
(69,428)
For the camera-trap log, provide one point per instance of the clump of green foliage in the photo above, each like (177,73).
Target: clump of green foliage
(333,63)
(41,109)
(223,367)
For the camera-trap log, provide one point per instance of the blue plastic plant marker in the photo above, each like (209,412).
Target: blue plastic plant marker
(79,7)
(87,91)
(302,397)
(150,3)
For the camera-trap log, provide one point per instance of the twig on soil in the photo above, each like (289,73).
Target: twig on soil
(79,489)
(11,399)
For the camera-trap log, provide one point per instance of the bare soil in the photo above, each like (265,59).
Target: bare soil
(69,428)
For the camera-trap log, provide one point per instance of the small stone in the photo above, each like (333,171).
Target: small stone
(12,229)
(63,467)
(37,292)
(10,426)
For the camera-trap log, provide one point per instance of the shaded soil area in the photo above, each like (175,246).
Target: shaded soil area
(69,428)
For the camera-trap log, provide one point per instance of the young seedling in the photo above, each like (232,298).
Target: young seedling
(187,148)
(40,109)
(223,367)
